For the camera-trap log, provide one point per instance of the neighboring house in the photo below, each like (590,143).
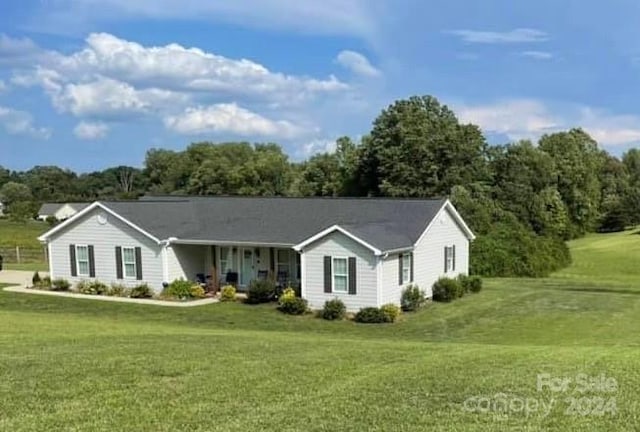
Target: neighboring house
(60,211)
(363,251)
(1,209)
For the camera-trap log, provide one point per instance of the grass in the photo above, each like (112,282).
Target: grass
(23,235)
(95,366)
(35,266)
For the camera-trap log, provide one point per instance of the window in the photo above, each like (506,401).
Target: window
(340,275)
(282,262)
(406,268)
(129,262)
(82,260)
(228,259)
(449,258)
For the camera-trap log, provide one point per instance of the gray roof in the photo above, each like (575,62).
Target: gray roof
(384,223)
(50,208)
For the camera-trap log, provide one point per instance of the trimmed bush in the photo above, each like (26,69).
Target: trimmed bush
(391,312)
(178,289)
(60,284)
(446,290)
(35,280)
(91,287)
(471,284)
(261,291)
(370,315)
(334,310)
(141,291)
(118,290)
(292,305)
(228,293)
(412,299)
(197,292)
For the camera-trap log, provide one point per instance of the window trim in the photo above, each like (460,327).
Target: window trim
(333,274)
(88,261)
(124,263)
(449,259)
(286,263)
(406,267)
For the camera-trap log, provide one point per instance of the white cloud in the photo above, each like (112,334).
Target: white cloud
(317,146)
(357,63)
(519,35)
(529,119)
(537,55)
(90,131)
(229,118)
(3,86)
(16,122)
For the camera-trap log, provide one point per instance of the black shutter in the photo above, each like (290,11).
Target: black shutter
(411,275)
(272,263)
(400,269)
(446,252)
(453,251)
(72,259)
(139,263)
(352,275)
(118,262)
(92,262)
(327,274)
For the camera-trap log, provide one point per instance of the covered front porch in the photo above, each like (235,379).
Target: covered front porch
(217,265)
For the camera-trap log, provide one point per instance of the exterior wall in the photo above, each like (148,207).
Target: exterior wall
(428,258)
(104,238)
(391,290)
(65,212)
(186,261)
(337,244)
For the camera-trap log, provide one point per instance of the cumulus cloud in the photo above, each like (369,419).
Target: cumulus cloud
(529,119)
(228,118)
(519,35)
(357,63)
(16,122)
(316,146)
(90,130)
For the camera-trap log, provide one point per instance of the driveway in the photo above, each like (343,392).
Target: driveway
(17,277)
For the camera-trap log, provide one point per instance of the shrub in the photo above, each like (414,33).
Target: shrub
(197,292)
(141,291)
(292,305)
(334,309)
(446,290)
(370,315)
(470,283)
(178,289)
(391,312)
(118,290)
(228,293)
(288,293)
(60,284)
(45,283)
(35,280)
(412,298)
(260,291)
(91,287)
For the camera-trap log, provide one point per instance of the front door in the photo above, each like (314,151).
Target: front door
(247,272)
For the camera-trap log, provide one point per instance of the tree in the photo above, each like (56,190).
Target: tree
(13,192)
(418,148)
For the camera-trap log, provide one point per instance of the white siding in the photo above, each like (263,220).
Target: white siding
(428,259)
(391,290)
(186,261)
(105,238)
(338,245)
(65,212)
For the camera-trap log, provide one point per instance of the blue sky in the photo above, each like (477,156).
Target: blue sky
(88,84)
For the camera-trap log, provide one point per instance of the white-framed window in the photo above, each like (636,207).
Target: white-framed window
(340,275)
(228,259)
(282,262)
(82,260)
(129,262)
(449,258)
(406,268)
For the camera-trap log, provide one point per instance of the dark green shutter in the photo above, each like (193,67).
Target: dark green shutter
(139,263)
(453,251)
(400,269)
(92,261)
(272,263)
(352,275)
(118,262)
(72,259)
(327,274)
(446,252)
(411,275)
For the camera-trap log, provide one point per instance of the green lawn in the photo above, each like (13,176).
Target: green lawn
(95,366)
(25,236)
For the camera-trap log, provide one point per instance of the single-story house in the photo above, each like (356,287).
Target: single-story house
(60,211)
(364,251)
(1,208)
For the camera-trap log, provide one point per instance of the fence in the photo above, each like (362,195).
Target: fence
(23,255)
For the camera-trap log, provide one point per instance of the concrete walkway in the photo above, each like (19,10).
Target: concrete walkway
(22,279)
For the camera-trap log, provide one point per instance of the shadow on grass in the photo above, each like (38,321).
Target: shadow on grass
(600,290)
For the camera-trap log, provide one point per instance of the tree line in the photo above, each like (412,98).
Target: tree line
(523,199)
